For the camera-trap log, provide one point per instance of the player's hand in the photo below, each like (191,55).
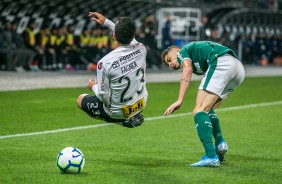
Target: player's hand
(91,83)
(172,108)
(99,18)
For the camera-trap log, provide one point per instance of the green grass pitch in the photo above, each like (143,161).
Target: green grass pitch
(157,152)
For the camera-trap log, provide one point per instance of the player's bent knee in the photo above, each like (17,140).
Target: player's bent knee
(79,100)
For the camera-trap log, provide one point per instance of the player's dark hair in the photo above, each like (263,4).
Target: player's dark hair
(166,51)
(125,30)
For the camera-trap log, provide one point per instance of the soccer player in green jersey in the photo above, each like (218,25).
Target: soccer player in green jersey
(223,72)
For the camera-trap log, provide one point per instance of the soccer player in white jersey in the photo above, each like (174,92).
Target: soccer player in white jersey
(120,88)
(223,72)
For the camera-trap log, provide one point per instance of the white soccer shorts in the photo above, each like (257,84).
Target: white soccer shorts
(222,78)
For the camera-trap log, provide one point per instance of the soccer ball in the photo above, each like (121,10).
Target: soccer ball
(70,160)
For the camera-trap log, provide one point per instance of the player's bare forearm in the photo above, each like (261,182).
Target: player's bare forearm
(185,80)
(184,84)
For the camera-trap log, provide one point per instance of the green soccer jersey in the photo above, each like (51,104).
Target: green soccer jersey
(202,55)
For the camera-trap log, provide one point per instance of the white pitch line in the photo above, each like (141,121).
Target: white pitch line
(146,119)
(218,110)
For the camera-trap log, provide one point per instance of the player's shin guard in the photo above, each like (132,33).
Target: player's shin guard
(216,127)
(204,129)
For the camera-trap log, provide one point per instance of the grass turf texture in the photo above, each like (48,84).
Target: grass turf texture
(159,151)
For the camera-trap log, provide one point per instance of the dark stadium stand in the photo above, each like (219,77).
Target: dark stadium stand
(229,22)
(261,19)
(217,11)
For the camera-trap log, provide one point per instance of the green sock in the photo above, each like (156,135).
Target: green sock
(204,129)
(216,127)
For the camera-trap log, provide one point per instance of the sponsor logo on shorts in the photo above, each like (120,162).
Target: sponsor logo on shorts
(131,109)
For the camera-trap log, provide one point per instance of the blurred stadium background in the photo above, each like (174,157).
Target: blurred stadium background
(53,44)
(55,35)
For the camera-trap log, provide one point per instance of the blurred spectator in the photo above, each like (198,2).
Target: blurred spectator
(61,48)
(261,50)
(72,58)
(214,35)
(104,44)
(7,45)
(224,39)
(83,44)
(269,53)
(93,44)
(166,35)
(139,35)
(203,28)
(22,57)
(276,45)
(248,49)
(44,38)
(153,54)
(12,48)
(31,44)
(2,51)
(273,5)
(51,48)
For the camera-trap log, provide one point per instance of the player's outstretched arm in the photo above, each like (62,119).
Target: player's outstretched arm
(97,17)
(184,84)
